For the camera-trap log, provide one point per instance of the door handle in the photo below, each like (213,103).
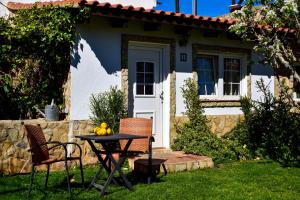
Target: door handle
(161,96)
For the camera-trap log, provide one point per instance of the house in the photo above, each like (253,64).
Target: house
(149,53)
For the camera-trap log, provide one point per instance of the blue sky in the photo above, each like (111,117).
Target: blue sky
(205,7)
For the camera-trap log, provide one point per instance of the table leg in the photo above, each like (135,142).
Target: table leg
(103,163)
(123,176)
(95,178)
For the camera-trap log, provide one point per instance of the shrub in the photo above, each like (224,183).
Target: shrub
(270,128)
(196,137)
(108,107)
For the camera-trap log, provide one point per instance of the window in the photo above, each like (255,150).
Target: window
(144,78)
(220,76)
(207,75)
(232,73)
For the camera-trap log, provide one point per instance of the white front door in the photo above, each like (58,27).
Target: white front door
(145,99)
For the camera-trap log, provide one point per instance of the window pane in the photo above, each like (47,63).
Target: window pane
(149,89)
(140,66)
(227,64)
(235,64)
(140,78)
(227,89)
(209,76)
(201,89)
(210,89)
(232,76)
(206,75)
(139,89)
(232,64)
(227,76)
(149,78)
(149,67)
(235,77)
(201,76)
(235,89)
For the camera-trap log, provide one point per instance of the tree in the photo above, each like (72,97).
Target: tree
(35,47)
(262,22)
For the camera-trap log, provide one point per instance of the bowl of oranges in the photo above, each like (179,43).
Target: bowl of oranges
(102,129)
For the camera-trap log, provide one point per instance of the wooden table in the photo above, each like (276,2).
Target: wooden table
(105,157)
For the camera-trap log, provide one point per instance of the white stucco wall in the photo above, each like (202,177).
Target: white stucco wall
(98,63)
(261,72)
(3,10)
(96,66)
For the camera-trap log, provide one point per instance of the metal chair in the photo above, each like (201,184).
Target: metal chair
(40,154)
(141,126)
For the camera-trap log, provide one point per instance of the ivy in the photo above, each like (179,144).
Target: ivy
(35,47)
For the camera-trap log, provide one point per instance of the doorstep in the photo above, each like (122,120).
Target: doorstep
(177,161)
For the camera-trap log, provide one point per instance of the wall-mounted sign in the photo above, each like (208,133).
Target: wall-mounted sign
(183,57)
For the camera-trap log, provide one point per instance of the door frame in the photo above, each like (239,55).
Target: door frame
(164,77)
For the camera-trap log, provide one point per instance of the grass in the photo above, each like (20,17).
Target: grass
(238,180)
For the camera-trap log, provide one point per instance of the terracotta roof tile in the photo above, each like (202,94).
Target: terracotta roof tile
(159,13)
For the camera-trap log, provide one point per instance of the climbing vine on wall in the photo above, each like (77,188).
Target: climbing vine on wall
(35,47)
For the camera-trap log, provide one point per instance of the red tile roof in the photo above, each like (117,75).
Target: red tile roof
(115,10)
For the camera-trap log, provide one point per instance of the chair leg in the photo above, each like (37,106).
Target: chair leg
(31,179)
(81,171)
(150,174)
(165,169)
(47,176)
(68,177)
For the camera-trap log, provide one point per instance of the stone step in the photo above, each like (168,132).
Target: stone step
(175,161)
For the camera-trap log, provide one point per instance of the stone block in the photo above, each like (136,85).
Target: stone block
(48,132)
(192,165)
(44,125)
(210,163)
(82,125)
(3,134)
(13,134)
(180,167)
(202,164)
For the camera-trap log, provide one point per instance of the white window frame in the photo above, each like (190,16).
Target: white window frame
(220,76)
(154,86)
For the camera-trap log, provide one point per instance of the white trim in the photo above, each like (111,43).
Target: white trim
(165,59)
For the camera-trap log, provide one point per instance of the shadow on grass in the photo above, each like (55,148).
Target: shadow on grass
(136,178)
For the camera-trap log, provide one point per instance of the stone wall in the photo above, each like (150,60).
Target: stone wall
(15,158)
(14,155)
(220,124)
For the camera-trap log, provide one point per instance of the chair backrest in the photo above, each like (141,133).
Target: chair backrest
(35,138)
(136,126)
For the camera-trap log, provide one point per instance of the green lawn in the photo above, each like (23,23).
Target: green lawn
(245,180)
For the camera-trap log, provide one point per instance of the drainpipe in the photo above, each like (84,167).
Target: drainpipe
(177,9)
(195,2)
(70,137)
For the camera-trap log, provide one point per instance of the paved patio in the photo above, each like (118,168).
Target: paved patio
(177,161)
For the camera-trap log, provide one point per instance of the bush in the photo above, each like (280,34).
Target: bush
(108,107)
(270,128)
(196,137)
